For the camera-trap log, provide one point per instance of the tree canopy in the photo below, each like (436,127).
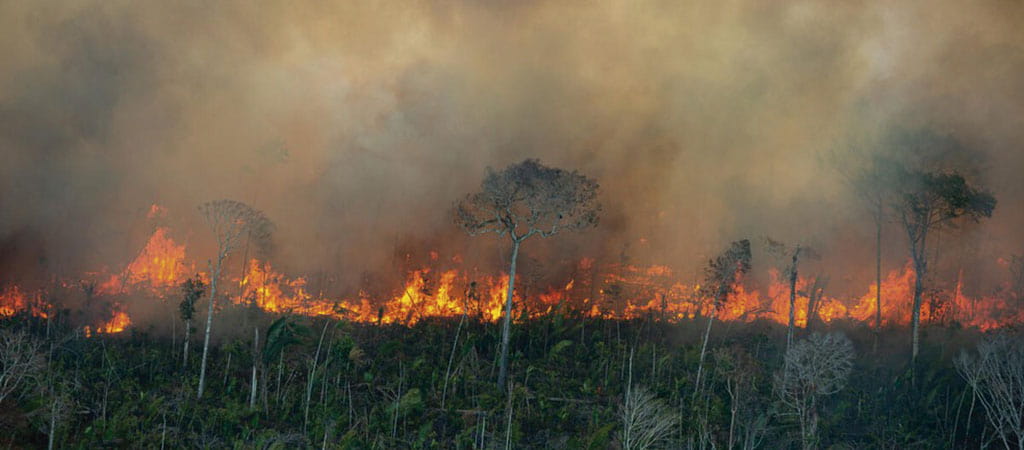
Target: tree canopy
(529,198)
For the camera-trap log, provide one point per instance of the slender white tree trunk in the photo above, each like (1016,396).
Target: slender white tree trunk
(312,373)
(53,425)
(915,320)
(704,350)
(792,306)
(209,324)
(878,270)
(188,334)
(507,327)
(920,271)
(255,359)
(451,358)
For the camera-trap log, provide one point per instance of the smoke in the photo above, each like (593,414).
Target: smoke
(355,125)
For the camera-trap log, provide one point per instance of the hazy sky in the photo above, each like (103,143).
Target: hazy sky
(355,125)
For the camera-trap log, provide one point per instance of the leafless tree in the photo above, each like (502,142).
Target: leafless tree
(815,295)
(646,421)
(20,361)
(996,375)
(230,221)
(521,201)
(871,176)
(720,279)
(814,367)
(791,272)
(741,373)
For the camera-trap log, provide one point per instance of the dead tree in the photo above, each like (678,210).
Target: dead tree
(230,221)
(929,201)
(741,373)
(871,173)
(791,272)
(20,361)
(646,420)
(720,279)
(521,201)
(814,367)
(815,295)
(996,375)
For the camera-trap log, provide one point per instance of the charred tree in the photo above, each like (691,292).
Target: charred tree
(521,201)
(814,367)
(792,255)
(230,221)
(814,297)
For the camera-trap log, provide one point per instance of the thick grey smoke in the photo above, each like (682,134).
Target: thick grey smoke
(355,125)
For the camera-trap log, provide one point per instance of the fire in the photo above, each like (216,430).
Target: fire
(116,324)
(13,300)
(273,292)
(444,288)
(160,265)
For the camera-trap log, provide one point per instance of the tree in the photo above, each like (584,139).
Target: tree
(230,221)
(741,372)
(720,279)
(521,201)
(815,296)
(20,361)
(793,254)
(814,367)
(870,172)
(997,377)
(646,420)
(926,202)
(192,290)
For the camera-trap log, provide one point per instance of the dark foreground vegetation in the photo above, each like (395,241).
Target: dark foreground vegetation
(573,383)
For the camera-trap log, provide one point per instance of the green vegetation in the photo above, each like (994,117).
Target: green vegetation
(331,384)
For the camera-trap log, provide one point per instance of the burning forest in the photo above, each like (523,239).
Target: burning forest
(624,225)
(444,287)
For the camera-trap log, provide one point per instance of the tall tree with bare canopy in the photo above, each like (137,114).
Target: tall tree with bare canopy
(230,221)
(928,201)
(525,200)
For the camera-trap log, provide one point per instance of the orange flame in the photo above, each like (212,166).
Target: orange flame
(13,300)
(160,265)
(116,324)
(612,291)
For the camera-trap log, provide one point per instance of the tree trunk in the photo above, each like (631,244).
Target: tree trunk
(312,374)
(704,349)
(792,303)
(188,334)
(919,255)
(53,425)
(734,409)
(255,359)
(451,358)
(209,324)
(878,270)
(507,327)
(915,318)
